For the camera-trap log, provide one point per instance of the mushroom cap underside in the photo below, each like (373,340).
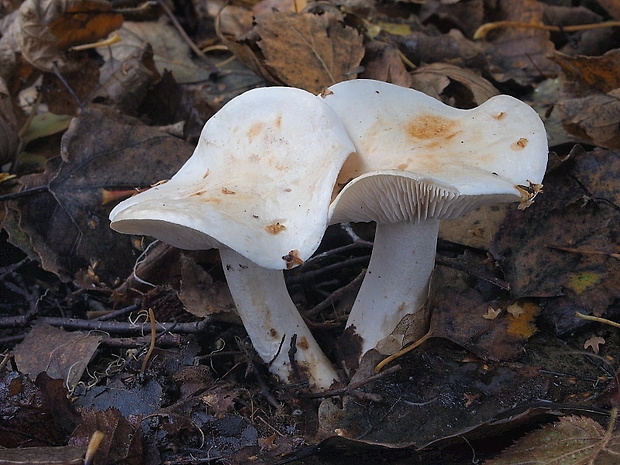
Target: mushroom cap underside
(486,151)
(392,196)
(259,181)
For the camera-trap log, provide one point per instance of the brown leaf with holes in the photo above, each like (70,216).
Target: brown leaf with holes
(61,354)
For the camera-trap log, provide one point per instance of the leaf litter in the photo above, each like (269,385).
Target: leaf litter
(506,352)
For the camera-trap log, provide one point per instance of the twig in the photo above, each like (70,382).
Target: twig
(182,32)
(483,30)
(117,313)
(152,343)
(597,319)
(264,388)
(402,352)
(112,327)
(444,261)
(335,296)
(583,251)
(353,387)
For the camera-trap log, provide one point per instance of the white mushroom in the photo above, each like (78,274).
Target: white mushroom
(419,161)
(257,187)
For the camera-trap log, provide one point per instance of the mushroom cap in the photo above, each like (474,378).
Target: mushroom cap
(418,158)
(259,181)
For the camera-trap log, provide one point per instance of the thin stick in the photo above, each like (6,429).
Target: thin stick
(597,319)
(483,30)
(402,352)
(181,31)
(153,338)
(583,251)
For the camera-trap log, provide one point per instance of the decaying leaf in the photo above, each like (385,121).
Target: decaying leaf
(67,224)
(523,54)
(304,50)
(60,354)
(579,210)
(574,440)
(199,293)
(480,89)
(121,443)
(43,30)
(169,51)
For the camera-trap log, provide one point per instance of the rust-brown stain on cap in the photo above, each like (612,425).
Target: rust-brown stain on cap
(520,144)
(303,343)
(428,126)
(255,129)
(275,228)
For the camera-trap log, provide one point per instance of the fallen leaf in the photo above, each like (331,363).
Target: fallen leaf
(61,354)
(574,440)
(593,118)
(383,62)
(521,54)
(26,414)
(595,73)
(66,225)
(122,441)
(43,30)
(170,51)
(594,343)
(124,84)
(309,51)
(84,22)
(566,215)
(478,88)
(304,50)
(200,295)
(522,322)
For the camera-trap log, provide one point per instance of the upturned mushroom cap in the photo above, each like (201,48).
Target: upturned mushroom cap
(418,158)
(259,181)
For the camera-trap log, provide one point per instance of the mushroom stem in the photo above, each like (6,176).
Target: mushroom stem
(271,320)
(396,284)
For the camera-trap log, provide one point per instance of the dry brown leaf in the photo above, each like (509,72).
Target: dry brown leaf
(170,51)
(43,29)
(309,51)
(122,442)
(611,6)
(62,355)
(595,73)
(524,53)
(594,118)
(200,295)
(384,63)
(427,75)
(571,441)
